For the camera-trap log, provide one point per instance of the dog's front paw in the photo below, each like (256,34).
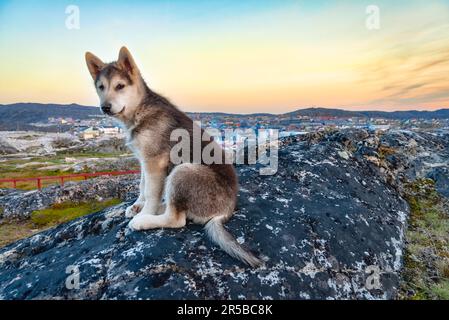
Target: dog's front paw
(141,222)
(134,209)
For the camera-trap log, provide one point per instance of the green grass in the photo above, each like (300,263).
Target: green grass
(426,257)
(441,290)
(9,169)
(30,172)
(10,166)
(13,230)
(66,211)
(86,154)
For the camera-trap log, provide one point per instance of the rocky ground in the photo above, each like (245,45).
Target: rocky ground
(330,224)
(12,142)
(20,143)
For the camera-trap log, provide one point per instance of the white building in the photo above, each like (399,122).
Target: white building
(111,130)
(90,133)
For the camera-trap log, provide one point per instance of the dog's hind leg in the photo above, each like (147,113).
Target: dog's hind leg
(171,218)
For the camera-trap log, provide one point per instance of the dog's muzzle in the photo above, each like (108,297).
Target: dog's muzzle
(106,108)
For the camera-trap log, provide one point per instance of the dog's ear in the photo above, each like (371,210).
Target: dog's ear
(94,64)
(126,62)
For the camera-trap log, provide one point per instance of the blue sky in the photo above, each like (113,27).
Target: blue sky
(234,55)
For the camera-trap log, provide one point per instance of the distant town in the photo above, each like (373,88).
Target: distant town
(33,129)
(86,129)
(99,125)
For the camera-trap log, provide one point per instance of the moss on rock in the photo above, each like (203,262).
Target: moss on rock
(426,258)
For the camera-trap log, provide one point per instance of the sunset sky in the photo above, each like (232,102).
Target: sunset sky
(234,56)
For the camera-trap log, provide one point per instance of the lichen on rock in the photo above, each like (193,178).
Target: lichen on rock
(328,227)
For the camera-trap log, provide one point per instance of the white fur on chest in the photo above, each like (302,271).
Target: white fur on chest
(132,145)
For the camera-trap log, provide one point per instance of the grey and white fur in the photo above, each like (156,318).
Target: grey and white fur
(203,193)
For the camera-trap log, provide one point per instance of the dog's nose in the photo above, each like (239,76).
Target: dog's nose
(106,107)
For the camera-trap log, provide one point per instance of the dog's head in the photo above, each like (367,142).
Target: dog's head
(119,84)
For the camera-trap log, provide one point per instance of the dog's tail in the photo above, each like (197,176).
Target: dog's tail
(218,234)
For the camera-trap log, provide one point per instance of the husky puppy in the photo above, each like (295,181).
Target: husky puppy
(205,194)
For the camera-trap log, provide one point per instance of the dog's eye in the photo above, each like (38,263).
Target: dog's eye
(101,87)
(119,87)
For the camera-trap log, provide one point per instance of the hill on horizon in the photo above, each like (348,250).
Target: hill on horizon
(22,115)
(400,115)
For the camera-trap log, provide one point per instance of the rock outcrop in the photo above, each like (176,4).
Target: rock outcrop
(19,204)
(329,225)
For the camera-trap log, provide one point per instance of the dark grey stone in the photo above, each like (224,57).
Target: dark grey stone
(332,212)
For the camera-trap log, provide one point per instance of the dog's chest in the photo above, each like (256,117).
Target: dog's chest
(142,143)
(131,141)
